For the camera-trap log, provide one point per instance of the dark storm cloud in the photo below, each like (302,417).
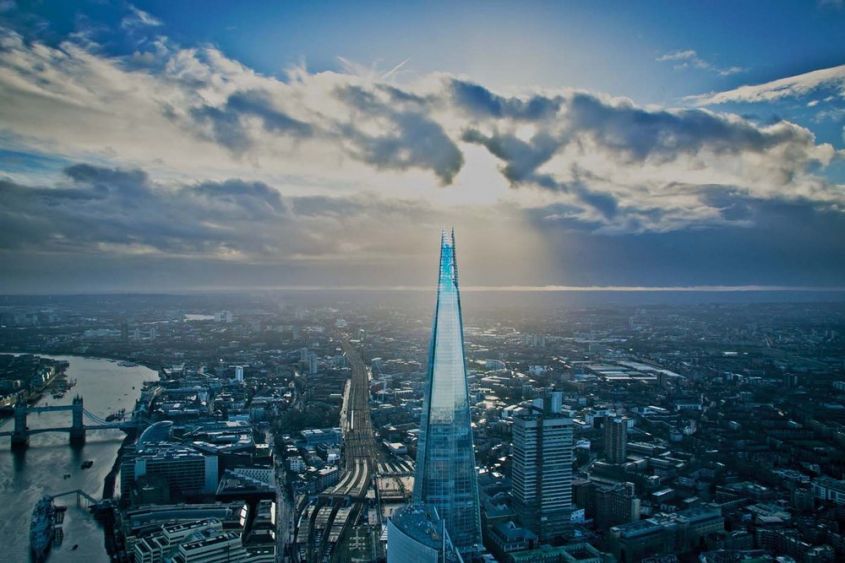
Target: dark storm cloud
(108,179)
(640,134)
(227,125)
(522,158)
(727,206)
(122,207)
(417,142)
(579,186)
(97,210)
(411,139)
(481,102)
(260,104)
(404,138)
(636,135)
(604,203)
(622,127)
(394,128)
(397,95)
(790,243)
(612,195)
(255,200)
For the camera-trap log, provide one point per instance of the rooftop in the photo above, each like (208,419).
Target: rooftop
(421,523)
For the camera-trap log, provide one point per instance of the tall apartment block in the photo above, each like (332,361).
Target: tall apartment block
(542,469)
(615,439)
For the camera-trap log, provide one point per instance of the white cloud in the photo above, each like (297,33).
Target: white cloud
(688,58)
(791,86)
(139,18)
(188,115)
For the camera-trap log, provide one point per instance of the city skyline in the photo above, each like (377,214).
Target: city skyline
(156,147)
(221,340)
(263,426)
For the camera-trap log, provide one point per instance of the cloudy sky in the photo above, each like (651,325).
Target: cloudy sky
(177,145)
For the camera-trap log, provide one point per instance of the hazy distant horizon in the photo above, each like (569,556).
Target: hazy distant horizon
(464,289)
(518,299)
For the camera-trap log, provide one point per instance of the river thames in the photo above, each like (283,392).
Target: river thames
(26,476)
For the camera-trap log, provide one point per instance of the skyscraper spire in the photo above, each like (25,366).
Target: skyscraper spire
(445,474)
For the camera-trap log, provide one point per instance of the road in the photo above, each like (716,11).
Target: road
(285,521)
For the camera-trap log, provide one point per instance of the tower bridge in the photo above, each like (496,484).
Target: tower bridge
(77,429)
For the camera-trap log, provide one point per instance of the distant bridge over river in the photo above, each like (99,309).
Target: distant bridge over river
(77,429)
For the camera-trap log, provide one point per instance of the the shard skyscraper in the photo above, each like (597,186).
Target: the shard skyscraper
(445,474)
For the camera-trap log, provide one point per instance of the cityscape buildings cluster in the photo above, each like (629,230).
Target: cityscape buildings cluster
(352,428)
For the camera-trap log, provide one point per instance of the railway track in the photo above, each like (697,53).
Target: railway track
(340,506)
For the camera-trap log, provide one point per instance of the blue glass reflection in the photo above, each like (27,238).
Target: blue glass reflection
(445,475)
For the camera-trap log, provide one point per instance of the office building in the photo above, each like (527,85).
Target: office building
(445,474)
(212,547)
(150,549)
(542,469)
(158,547)
(224,317)
(416,533)
(507,537)
(615,439)
(615,504)
(186,471)
(676,533)
(829,490)
(317,436)
(581,552)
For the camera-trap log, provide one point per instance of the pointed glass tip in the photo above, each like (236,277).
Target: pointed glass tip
(448,267)
(447,238)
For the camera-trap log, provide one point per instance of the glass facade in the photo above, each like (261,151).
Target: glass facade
(415,533)
(445,475)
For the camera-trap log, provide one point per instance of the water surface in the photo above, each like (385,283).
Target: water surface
(26,476)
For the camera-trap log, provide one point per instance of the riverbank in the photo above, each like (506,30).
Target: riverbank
(51,466)
(111,477)
(72,353)
(7,405)
(110,538)
(57,373)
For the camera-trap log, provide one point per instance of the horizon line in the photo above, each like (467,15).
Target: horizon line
(750,288)
(549,288)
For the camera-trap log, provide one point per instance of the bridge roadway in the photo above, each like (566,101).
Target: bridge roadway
(116,425)
(49,408)
(99,423)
